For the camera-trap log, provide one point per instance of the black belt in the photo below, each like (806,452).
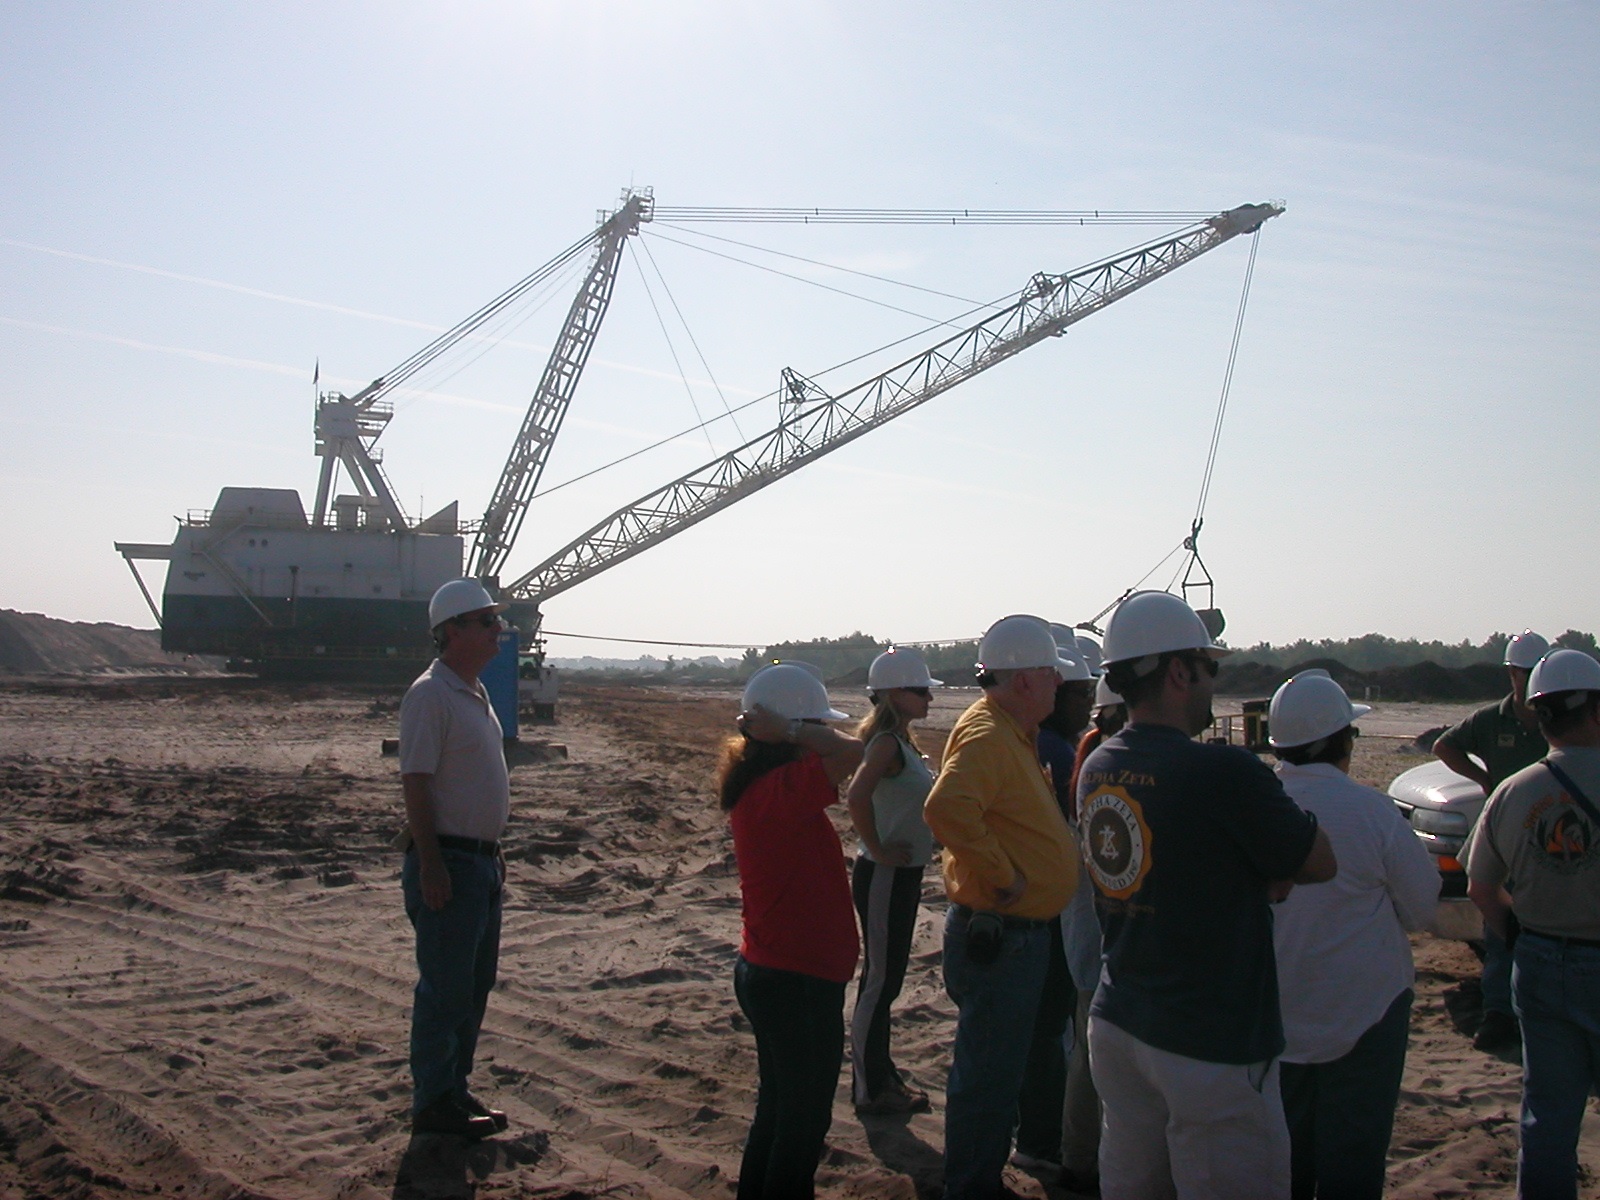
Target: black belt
(963,910)
(1588,943)
(450,841)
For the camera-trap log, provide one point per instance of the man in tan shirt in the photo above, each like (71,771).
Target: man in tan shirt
(1541,827)
(1010,866)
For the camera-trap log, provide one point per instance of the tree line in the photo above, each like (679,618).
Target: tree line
(837,657)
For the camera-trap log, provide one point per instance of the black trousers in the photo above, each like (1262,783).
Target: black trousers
(887,899)
(799,1026)
(1044,1087)
(1341,1113)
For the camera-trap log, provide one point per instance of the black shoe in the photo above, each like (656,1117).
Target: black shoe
(445,1115)
(1499,1031)
(479,1109)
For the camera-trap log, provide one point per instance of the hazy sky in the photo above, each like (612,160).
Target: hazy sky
(1411,445)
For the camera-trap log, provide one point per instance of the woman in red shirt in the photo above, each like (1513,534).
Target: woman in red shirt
(777,780)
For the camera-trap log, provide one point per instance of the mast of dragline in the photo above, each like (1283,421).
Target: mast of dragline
(525,464)
(820,423)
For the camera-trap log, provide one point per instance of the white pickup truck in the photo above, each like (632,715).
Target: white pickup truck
(1442,807)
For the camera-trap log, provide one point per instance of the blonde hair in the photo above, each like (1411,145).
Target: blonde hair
(884,718)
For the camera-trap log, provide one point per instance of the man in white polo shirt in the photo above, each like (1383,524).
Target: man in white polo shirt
(458,796)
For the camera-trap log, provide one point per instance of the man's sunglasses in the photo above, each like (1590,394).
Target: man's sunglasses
(487,620)
(1205,662)
(925,693)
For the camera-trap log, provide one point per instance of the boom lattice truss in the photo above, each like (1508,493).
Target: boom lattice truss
(820,423)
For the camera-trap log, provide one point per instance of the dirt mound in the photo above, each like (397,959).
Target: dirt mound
(1425,681)
(34,644)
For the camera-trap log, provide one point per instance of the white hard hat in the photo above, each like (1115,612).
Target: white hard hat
(1104,697)
(1076,669)
(1154,623)
(900,667)
(1070,651)
(1019,642)
(1309,707)
(1564,671)
(790,690)
(1089,651)
(1525,650)
(457,597)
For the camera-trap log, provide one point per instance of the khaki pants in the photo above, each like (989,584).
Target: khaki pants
(1177,1128)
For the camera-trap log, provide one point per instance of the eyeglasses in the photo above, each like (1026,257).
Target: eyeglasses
(1205,662)
(924,693)
(487,620)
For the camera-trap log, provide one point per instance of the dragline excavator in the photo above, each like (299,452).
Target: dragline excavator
(344,591)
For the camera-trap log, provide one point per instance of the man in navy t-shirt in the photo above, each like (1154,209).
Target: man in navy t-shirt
(1186,844)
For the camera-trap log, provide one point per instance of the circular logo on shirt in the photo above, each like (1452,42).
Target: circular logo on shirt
(1562,838)
(1116,841)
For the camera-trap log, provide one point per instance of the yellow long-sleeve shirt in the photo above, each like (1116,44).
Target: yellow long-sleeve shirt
(995,811)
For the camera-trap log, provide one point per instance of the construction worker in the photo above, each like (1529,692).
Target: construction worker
(1505,738)
(777,779)
(1541,827)
(1344,962)
(1044,1085)
(885,800)
(1010,865)
(1184,841)
(458,797)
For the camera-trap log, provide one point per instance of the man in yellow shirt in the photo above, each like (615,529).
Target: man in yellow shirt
(1010,866)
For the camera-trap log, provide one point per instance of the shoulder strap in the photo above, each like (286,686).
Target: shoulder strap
(1573,790)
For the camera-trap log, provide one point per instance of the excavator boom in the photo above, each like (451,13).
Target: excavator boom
(821,423)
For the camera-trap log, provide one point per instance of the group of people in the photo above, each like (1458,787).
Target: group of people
(1225,942)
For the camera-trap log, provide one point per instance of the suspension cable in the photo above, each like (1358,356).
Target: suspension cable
(921,216)
(467,325)
(827,287)
(693,341)
(1192,542)
(815,262)
(673,350)
(1227,384)
(672,437)
(509,322)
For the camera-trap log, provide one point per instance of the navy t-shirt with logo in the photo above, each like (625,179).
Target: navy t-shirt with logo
(1181,840)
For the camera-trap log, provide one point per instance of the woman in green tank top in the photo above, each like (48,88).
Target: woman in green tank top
(885,800)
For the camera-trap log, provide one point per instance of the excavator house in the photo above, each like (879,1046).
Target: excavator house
(342,592)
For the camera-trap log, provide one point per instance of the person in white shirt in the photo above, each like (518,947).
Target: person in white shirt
(1344,962)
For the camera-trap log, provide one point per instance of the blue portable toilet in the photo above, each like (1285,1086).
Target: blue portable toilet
(500,681)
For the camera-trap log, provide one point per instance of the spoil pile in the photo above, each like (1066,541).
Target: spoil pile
(33,644)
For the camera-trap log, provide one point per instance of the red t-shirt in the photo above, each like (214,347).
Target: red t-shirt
(798,915)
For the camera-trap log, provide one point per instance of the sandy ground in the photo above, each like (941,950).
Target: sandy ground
(207,973)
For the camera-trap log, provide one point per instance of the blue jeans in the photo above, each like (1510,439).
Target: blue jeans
(1496,977)
(996,1004)
(1341,1113)
(1557,993)
(798,1021)
(1042,1102)
(458,949)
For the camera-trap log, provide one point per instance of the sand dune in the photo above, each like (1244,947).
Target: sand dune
(207,973)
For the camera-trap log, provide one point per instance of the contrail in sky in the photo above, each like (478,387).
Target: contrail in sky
(256,364)
(206,356)
(227,287)
(341,309)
